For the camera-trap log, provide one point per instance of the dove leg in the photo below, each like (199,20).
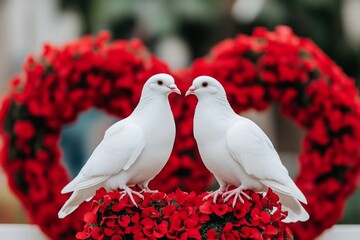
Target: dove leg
(216,193)
(145,189)
(128,191)
(237,192)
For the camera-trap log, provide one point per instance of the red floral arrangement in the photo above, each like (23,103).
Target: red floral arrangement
(257,70)
(180,215)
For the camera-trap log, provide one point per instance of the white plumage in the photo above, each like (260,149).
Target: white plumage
(238,152)
(133,150)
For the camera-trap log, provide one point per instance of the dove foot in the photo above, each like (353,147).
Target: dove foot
(215,194)
(128,191)
(146,189)
(237,192)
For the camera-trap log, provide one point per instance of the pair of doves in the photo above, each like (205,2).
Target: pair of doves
(233,148)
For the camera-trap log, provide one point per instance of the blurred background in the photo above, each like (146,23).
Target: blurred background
(178,32)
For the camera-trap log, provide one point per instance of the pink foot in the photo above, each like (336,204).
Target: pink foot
(146,189)
(130,192)
(215,194)
(237,192)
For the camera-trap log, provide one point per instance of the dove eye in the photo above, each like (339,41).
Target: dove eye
(159,82)
(205,84)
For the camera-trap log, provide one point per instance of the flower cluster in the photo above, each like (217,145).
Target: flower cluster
(255,70)
(180,215)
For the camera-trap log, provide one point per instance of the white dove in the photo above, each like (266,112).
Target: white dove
(133,150)
(238,152)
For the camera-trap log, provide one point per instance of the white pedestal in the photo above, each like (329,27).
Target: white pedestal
(343,231)
(33,232)
(21,232)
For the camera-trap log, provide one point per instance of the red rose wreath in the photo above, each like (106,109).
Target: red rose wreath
(255,70)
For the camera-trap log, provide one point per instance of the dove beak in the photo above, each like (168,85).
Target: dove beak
(174,89)
(190,91)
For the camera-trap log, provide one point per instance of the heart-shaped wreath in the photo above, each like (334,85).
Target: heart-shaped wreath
(255,71)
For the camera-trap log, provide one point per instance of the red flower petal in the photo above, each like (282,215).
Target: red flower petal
(265,217)
(160,230)
(157,196)
(181,196)
(96,233)
(190,222)
(82,235)
(206,207)
(124,221)
(90,217)
(228,227)
(219,209)
(137,228)
(24,129)
(117,207)
(212,234)
(168,210)
(147,223)
(116,237)
(135,218)
(139,236)
(151,212)
(270,230)
(193,233)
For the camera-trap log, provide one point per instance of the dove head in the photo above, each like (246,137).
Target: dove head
(205,86)
(160,84)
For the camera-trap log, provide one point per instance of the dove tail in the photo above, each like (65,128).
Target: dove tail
(289,188)
(70,205)
(296,211)
(75,200)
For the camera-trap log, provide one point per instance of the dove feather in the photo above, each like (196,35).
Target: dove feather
(249,146)
(119,149)
(253,150)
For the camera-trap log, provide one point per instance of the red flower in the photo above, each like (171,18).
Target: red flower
(270,230)
(206,207)
(193,233)
(147,222)
(240,211)
(82,235)
(212,235)
(219,209)
(263,216)
(181,196)
(96,233)
(117,207)
(160,229)
(250,232)
(90,217)
(319,133)
(228,228)
(168,210)
(157,196)
(151,212)
(124,221)
(24,129)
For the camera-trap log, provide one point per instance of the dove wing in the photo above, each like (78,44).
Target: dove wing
(253,150)
(122,144)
